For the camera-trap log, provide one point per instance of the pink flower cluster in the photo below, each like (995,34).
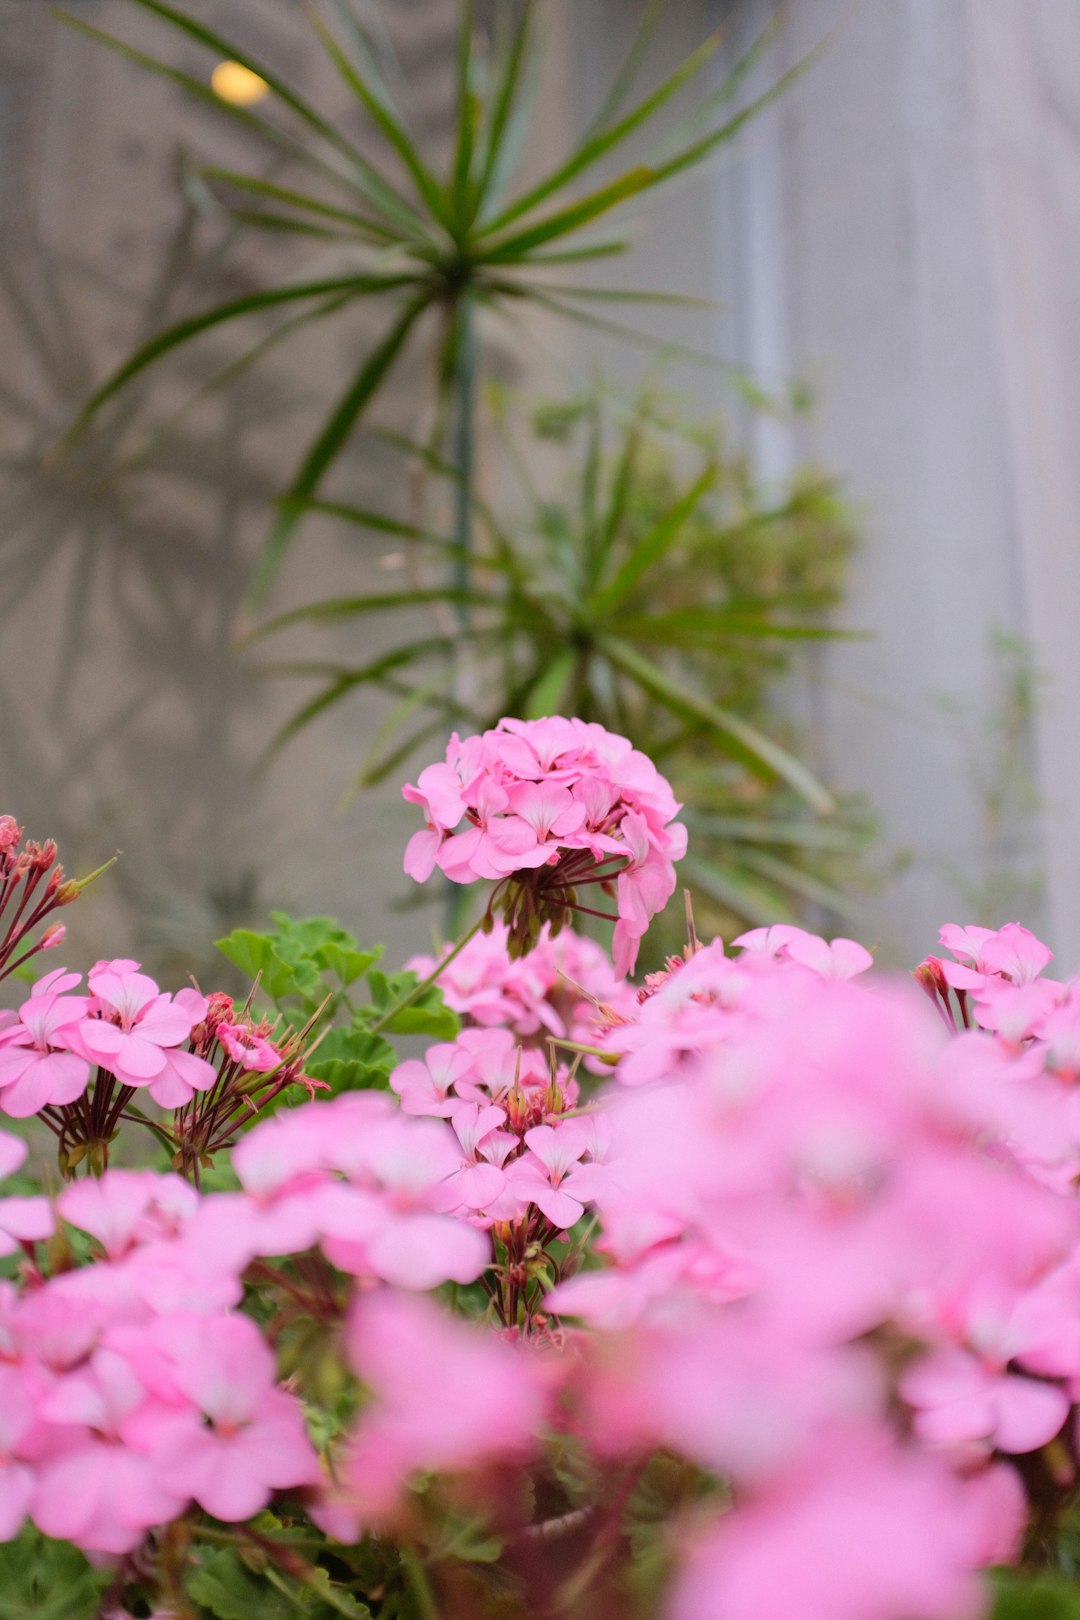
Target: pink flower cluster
(126,1026)
(130,1388)
(551,807)
(565,986)
(843,1274)
(517,1154)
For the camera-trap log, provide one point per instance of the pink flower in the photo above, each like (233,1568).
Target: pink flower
(551,1175)
(135,1032)
(36,1065)
(237,1438)
(872,1530)
(959,1398)
(550,807)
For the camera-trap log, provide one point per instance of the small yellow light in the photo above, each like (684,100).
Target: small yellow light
(232,81)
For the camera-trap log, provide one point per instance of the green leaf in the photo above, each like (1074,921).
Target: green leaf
(686,627)
(346,607)
(595,147)
(545,697)
(743,741)
(736,891)
(340,423)
(227,1586)
(366,518)
(347,681)
(1034,1597)
(428,1016)
(766,830)
(323,941)
(427,186)
(41,1579)
(223,47)
(631,63)
(255,955)
(202,92)
(351,1058)
(512,248)
(698,151)
(508,78)
(793,878)
(649,550)
(297,199)
(193,325)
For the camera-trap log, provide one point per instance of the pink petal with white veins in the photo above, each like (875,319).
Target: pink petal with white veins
(14,1062)
(138,1061)
(51,1077)
(421,853)
(101,1040)
(183,1074)
(165,1023)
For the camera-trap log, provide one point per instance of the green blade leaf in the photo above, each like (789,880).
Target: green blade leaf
(331,439)
(508,79)
(348,681)
(261,219)
(299,199)
(366,518)
(427,186)
(598,250)
(811,835)
(347,607)
(806,884)
(628,71)
(566,220)
(742,741)
(593,148)
(650,550)
(736,891)
(545,696)
(466,121)
(699,150)
(377,765)
(706,626)
(249,304)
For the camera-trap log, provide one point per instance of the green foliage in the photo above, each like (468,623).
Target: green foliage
(47,1580)
(306,959)
(655,588)
(307,967)
(1039,1597)
(234,1584)
(431,243)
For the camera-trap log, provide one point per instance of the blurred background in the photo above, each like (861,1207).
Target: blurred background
(753,435)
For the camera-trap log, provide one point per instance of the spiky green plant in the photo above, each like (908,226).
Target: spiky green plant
(656,590)
(434,241)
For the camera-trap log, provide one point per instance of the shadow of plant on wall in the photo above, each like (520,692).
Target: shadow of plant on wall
(142,528)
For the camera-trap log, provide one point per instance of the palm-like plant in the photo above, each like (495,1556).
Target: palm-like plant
(433,243)
(660,594)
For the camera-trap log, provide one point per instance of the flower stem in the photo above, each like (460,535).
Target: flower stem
(425,984)
(419,1585)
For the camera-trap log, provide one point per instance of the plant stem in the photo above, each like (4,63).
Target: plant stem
(464,448)
(425,984)
(419,1585)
